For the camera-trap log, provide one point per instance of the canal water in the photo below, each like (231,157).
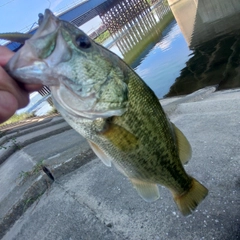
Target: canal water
(179,50)
(160,62)
(179,56)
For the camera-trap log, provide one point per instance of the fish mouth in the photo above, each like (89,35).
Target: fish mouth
(45,59)
(45,49)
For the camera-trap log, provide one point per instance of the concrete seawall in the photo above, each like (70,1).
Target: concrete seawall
(87,200)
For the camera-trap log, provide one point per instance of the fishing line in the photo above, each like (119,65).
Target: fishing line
(49,4)
(7,3)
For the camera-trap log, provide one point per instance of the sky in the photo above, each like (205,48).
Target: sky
(20,15)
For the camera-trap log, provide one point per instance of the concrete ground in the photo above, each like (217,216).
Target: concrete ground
(88,200)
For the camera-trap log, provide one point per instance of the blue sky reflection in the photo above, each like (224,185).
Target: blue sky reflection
(163,63)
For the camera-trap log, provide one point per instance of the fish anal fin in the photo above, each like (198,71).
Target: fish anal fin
(100,154)
(188,201)
(183,145)
(148,191)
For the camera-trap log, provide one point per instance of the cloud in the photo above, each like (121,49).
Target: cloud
(168,39)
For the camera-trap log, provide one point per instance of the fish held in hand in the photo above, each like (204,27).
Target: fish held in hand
(103,99)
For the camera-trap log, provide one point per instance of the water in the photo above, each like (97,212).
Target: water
(200,48)
(176,57)
(162,64)
(161,61)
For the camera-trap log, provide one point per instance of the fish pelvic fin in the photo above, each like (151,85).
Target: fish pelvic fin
(188,201)
(148,191)
(183,145)
(100,154)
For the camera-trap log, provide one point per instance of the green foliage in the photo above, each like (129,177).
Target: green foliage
(52,111)
(18,117)
(165,2)
(102,37)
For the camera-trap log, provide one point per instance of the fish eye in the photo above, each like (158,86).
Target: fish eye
(83,41)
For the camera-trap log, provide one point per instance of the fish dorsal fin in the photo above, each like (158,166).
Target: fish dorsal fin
(100,154)
(148,191)
(184,147)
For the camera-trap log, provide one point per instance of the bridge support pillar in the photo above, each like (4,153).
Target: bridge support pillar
(119,13)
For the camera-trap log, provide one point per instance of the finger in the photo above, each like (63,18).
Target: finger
(32,87)
(8,105)
(5,55)
(7,84)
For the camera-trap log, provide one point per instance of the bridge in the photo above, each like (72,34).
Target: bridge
(203,20)
(114,14)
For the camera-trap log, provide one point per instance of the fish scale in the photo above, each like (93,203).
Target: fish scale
(150,167)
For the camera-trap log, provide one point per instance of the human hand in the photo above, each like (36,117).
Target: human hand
(13,95)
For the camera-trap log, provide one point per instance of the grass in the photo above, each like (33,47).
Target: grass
(18,117)
(37,168)
(13,142)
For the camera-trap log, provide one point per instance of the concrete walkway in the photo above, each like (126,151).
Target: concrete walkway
(88,200)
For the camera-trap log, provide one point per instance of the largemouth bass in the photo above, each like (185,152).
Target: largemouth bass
(104,100)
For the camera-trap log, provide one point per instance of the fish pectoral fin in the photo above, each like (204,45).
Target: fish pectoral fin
(120,137)
(183,145)
(148,191)
(100,154)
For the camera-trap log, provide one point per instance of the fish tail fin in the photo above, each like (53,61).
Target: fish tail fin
(188,201)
